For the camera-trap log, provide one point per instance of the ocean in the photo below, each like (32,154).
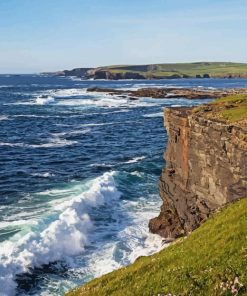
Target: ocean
(79,178)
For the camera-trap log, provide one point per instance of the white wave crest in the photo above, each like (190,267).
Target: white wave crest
(158,114)
(136,173)
(63,237)
(135,159)
(54,142)
(5,86)
(61,93)
(4,117)
(44,101)
(43,175)
(103,101)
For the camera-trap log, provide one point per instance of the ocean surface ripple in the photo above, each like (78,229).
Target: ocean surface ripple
(79,178)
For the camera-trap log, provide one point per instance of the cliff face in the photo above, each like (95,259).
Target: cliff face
(99,73)
(206,167)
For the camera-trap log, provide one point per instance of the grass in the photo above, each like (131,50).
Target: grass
(208,263)
(235,114)
(230,109)
(214,69)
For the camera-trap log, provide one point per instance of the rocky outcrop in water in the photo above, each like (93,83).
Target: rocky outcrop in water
(206,167)
(170,93)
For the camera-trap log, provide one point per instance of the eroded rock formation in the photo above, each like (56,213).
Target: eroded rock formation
(206,167)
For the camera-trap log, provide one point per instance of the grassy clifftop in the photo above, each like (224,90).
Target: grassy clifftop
(231,109)
(211,261)
(212,69)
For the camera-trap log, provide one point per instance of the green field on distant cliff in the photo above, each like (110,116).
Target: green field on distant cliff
(211,261)
(229,109)
(214,69)
(158,71)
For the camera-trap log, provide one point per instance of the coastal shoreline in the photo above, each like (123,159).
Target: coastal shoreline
(194,93)
(202,186)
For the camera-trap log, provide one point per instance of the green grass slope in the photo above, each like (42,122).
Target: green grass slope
(236,108)
(211,261)
(214,69)
(231,109)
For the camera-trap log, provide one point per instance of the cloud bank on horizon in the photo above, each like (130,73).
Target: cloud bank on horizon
(52,35)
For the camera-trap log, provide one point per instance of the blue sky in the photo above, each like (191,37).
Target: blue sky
(47,35)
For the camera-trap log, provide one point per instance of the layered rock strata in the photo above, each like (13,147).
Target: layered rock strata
(206,167)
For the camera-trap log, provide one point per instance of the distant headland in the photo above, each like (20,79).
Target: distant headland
(160,71)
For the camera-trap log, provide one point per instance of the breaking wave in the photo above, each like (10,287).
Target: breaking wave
(65,235)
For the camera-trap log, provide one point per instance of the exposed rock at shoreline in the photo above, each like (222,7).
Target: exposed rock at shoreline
(170,93)
(206,167)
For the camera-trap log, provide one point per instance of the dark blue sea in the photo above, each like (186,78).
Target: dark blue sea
(79,178)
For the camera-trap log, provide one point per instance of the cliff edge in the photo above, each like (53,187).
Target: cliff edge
(206,164)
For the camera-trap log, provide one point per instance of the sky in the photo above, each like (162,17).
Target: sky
(51,35)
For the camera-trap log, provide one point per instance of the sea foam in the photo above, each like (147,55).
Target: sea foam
(135,159)
(4,117)
(44,101)
(64,236)
(158,114)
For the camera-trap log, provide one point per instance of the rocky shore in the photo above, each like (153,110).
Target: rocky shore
(206,164)
(170,93)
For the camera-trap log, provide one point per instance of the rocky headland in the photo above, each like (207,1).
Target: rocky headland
(206,164)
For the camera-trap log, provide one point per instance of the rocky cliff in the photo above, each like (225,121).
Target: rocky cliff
(101,73)
(206,167)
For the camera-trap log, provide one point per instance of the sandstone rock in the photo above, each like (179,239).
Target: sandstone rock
(206,167)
